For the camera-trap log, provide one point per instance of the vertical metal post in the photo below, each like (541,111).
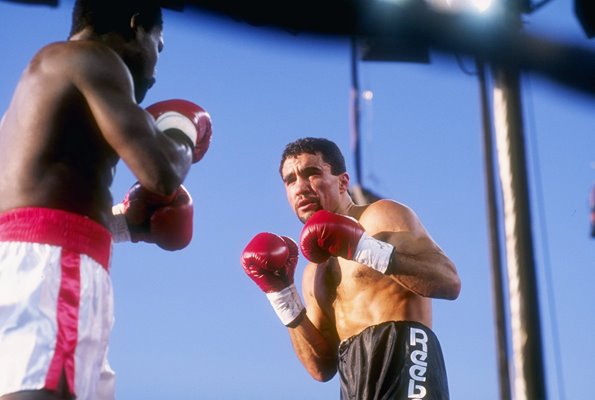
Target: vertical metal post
(592,208)
(355,111)
(529,379)
(494,238)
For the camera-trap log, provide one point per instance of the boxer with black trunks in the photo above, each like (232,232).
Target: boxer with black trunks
(74,114)
(368,288)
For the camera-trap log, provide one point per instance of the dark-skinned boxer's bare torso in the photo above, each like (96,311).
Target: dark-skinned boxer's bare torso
(52,153)
(73,115)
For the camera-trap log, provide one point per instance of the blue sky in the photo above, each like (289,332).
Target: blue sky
(191,325)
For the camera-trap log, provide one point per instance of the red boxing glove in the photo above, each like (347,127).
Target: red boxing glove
(270,261)
(187,117)
(164,220)
(327,234)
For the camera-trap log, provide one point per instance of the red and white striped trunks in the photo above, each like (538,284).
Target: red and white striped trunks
(56,303)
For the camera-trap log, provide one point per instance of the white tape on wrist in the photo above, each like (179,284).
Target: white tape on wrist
(287,304)
(373,252)
(175,120)
(118,226)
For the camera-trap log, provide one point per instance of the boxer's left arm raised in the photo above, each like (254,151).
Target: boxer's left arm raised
(270,261)
(160,162)
(397,244)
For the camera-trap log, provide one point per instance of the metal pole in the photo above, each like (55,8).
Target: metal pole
(529,379)
(592,208)
(355,111)
(494,237)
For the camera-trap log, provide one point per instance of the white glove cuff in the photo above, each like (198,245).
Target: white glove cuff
(287,304)
(175,120)
(118,226)
(373,252)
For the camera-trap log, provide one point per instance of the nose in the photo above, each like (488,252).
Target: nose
(302,186)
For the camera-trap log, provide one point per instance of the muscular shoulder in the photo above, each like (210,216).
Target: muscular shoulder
(388,215)
(79,61)
(75,54)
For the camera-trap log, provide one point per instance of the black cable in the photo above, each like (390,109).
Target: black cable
(545,248)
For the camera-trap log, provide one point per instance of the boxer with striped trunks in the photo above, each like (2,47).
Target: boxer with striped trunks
(74,115)
(56,304)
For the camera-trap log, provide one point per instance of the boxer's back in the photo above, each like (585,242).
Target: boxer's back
(51,151)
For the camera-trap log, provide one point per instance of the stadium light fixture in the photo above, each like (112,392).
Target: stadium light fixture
(474,6)
(454,6)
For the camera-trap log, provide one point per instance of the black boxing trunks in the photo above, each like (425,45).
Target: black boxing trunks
(396,360)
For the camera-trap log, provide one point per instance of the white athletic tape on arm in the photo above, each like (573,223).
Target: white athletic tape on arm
(287,304)
(118,226)
(373,252)
(175,120)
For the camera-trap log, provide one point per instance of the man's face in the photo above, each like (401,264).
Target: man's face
(310,186)
(143,61)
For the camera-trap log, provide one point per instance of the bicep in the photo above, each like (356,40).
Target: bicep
(107,87)
(398,225)
(417,255)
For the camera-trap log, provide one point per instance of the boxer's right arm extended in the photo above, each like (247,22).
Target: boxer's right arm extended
(159,162)
(144,216)
(270,261)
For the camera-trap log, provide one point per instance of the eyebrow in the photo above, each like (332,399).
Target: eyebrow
(307,171)
(287,177)
(311,169)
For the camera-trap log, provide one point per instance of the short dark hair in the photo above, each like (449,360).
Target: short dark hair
(106,16)
(329,151)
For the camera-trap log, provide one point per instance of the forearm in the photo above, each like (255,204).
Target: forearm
(313,350)
(179,134)
(428,274)
(164,165)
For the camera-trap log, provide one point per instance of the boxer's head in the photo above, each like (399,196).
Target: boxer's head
(114,16)
(329,151)
(138,24)
(313,171)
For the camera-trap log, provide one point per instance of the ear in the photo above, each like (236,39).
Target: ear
(134,22)
(343,182)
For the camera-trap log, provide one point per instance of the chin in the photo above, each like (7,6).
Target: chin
(304,216)
(140,94)
(141,88)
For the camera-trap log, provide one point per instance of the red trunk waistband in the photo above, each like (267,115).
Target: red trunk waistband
(59,228)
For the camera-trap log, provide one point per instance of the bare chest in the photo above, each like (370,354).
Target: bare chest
(354,297)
